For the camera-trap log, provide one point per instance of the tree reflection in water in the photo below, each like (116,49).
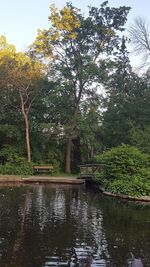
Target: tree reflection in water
(56,225)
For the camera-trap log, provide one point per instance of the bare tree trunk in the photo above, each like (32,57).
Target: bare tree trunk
(27,137)
(76,153)
(26,120)
(90,152)
(68,155)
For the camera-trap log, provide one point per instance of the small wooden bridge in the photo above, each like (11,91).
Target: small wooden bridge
(88,171)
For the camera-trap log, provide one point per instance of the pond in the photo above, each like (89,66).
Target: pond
(62,225)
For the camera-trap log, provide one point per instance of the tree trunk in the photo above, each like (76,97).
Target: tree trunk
(27,137)
(90,152)
(76,153)
(26,121)
(68,155)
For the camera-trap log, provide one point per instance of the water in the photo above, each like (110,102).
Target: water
(56,225)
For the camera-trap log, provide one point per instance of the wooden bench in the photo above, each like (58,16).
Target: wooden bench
(43,169)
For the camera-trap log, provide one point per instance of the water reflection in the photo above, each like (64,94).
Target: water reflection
(53,225)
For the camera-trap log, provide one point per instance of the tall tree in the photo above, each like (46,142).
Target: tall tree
(117,115)
(9,130)
(140,37)
(22,81)
(126,113)
(75,47)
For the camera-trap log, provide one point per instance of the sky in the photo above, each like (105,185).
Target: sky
(20,19)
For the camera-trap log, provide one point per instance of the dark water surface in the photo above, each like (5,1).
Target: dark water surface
(61,225)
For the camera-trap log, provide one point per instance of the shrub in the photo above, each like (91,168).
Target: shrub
(126,170)
(8,153)
(136,187)
(19,167)
(56,167)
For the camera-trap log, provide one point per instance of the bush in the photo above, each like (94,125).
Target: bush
(8,153)
(20,166)
(56,167)
(126,171)
(136,187)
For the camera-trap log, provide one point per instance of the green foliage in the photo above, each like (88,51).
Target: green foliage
(122,162)
(13,163)
(127,109)
(81,52)
(141,138)
(74,46)
(136,187)
(56,167)
(19,166)
(126,170)
(8,153)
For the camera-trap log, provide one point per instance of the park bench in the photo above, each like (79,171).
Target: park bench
(43,169)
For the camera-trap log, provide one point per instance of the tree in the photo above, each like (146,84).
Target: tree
(89,126)
(27,83)
(10,118)
(75,47)
(22,79)
(117,114)
(140,37)
(126,113)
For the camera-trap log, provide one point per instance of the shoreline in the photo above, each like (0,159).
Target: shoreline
(133,199)
(39,179)
(145,199)
(16,179)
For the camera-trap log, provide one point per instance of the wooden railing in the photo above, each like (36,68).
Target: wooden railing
(89,171)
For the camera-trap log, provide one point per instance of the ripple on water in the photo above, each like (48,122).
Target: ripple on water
(55,261)
(69,227)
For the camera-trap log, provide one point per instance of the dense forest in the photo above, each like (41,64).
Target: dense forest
(73,94)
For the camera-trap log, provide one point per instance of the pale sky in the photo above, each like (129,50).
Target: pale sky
(20,19)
